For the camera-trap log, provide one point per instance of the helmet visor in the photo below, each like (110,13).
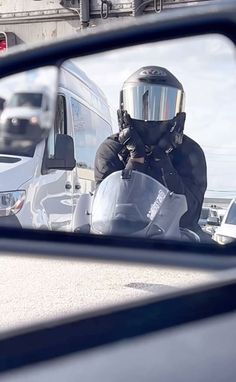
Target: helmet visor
(152,102)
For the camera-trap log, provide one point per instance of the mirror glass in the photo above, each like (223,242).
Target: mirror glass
(173,135)
(27,110)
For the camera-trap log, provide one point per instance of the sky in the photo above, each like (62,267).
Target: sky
(206,67)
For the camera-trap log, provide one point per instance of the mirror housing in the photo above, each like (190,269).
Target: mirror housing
(213,221)
(64,158)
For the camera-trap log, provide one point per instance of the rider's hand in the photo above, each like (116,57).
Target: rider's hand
(130,138)
(174,137)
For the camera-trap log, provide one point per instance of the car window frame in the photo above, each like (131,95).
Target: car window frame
(134,250)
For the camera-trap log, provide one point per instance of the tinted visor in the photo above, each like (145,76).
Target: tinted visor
(151,102)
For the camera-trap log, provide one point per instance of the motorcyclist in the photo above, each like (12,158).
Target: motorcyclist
(151,140)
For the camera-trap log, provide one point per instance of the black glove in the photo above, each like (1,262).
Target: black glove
(130,138)
(174,136)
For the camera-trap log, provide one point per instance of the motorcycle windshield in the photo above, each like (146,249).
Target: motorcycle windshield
(125,206)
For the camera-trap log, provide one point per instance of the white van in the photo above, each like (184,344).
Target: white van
(32,107)
(40,189)
(27,112)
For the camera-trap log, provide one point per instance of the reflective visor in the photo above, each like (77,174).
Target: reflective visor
(151,102)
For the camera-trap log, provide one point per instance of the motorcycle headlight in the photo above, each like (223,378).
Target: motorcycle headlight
(221,239)
(11,202)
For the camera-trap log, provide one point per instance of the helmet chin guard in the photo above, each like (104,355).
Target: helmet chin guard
(167,134)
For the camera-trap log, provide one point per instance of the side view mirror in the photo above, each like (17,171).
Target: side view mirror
(64,158)
(214,221)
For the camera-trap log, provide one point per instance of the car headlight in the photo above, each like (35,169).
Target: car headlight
(34,120)
(11,202)
(221,239)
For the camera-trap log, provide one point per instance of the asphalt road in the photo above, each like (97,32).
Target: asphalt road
(33,290)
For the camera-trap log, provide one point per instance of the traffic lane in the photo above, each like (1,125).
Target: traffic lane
(34,290)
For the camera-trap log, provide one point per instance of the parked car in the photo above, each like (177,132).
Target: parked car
(206,213)
(226,233)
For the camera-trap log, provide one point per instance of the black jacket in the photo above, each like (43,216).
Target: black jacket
(183,171)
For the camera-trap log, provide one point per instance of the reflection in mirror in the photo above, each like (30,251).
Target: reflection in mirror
(174,127)
(27,112)
(27,106)
(175,104)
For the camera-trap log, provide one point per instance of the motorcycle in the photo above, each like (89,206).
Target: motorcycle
(132,203)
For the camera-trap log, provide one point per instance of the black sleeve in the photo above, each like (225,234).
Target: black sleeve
(107,160)
(186,174)
(195,187)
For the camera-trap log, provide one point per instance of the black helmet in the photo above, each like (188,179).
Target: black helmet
(152,93)
(151,97)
